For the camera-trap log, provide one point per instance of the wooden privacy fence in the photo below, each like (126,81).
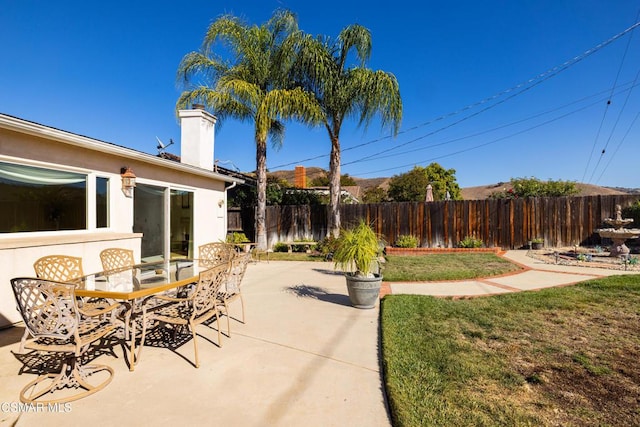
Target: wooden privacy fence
(505,223)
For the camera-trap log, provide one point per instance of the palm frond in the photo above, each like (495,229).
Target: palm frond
(358,37)
(276,134)
(378,94)
(221,104)
(228,30)
(292,104)
(196,64)
(245,92)
(282,23)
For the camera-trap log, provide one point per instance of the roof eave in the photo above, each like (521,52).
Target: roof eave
(38,130)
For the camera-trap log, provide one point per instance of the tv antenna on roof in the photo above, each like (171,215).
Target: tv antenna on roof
(225,162)
(161,146)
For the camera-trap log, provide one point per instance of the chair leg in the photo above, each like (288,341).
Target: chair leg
(242,304)
(136,358)
(23,340)
(195,343)
(218,324)
(226,312)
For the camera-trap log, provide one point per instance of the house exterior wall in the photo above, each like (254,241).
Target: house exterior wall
(17,256)
(50,148)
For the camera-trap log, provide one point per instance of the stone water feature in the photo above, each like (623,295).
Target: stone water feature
(618,234)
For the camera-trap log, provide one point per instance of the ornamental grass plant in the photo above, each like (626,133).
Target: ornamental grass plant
(357,249)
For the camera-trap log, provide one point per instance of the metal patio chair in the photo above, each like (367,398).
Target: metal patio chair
(231,290)
(66,268)
(199,306)
(57,325)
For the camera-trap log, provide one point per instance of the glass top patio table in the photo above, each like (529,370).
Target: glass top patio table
(141,280)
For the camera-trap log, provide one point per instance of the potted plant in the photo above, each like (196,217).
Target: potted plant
(537,243)
(357,251)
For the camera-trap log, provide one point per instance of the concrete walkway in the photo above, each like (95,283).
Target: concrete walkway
(304,357)
(535,275)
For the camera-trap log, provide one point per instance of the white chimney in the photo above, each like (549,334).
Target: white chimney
(197,137)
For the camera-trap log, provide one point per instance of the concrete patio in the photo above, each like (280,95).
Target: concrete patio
(304,357)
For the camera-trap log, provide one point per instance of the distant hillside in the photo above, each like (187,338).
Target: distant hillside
(290,175)
(468,193)
(314,172)
(484,191)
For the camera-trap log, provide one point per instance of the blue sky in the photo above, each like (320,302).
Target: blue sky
(108,70)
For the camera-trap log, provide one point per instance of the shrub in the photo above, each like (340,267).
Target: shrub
(301,248)
(533,187)
(328,245)
(470,242)
(407,241)
(280,247)
(237,238)
(633,211)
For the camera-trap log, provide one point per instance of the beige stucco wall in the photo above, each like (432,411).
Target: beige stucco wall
(18,255)
(18,251)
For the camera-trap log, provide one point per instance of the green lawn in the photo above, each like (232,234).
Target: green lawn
(450,266)
(410,268)
(560,356)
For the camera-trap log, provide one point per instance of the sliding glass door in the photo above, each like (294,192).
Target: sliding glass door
(148,219)
(181,224)
(165,218)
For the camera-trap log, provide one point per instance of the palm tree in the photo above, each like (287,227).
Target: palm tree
(321,68)
(253,86)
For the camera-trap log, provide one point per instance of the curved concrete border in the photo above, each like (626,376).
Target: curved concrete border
(534,275)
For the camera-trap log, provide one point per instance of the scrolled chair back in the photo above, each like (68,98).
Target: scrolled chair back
(116,258)
(236,272)
(215,253)
(48,308)
(59,268)
(209,283)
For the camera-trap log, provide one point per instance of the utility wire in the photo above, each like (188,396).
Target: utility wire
(486,143)
(618,147)
(604,115)
(545,75)
(541,78)
(624,105)
(595,141)
(488,130)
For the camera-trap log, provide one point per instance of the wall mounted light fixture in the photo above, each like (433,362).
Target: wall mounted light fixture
(128,181)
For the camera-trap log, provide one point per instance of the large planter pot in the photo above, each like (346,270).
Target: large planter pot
(363,291)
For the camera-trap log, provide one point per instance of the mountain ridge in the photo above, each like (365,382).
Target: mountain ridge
(468,193)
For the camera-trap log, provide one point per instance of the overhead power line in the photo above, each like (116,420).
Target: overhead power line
(615,125)
(487,130)
(618,147)
(604,114)
(486,143)
(532,82)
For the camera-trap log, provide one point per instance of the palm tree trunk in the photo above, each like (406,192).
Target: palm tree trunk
(333,227)
(261,209)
